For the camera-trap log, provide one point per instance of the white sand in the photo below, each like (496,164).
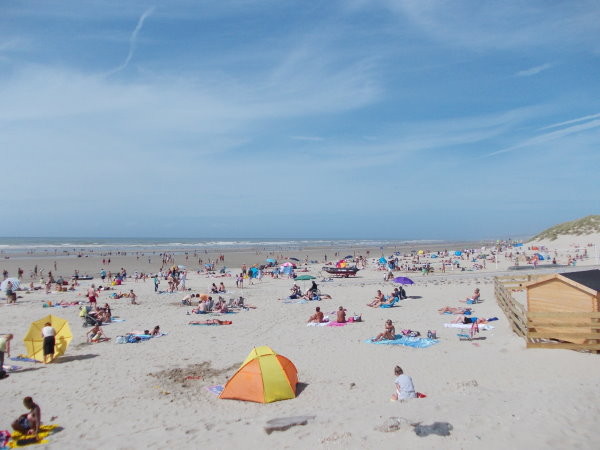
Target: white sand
(493,391)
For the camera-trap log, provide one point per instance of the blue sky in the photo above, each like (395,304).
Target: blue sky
(273,118)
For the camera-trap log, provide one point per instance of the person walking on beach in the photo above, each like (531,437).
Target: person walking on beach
(49,336)
(404,385)
(91,294)
(29,423)
(156,282)
(4,348)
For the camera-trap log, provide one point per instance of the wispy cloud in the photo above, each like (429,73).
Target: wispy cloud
(133,40)
(548,137)
(533,71)
(492,25)
(568,122)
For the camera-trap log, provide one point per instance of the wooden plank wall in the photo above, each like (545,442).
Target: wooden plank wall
(546,329)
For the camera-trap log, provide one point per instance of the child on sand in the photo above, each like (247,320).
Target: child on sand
(29,423)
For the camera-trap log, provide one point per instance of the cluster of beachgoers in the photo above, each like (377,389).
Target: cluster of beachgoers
(423,310)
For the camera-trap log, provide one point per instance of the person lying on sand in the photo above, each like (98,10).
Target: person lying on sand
(469,319)
(317,317)
(453,310)
(388,334)
(378,300)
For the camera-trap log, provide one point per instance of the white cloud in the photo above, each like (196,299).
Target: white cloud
(533,71)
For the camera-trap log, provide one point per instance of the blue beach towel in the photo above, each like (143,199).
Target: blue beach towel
(414,342)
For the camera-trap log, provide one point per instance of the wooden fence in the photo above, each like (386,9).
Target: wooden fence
(513,310)
(547,329)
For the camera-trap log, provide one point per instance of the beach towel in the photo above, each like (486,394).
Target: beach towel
(116,319)
(294,301)
(414,342)
(18,439)
(23,358)
(216,389)
(10,368)
(482,326)
(208,323)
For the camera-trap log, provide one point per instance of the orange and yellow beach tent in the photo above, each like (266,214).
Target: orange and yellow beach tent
(264,377)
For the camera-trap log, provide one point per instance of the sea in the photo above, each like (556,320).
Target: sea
(13,245)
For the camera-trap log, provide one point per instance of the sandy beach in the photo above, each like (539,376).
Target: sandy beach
(492,390)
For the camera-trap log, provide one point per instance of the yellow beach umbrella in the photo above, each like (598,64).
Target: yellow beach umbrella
(420,252)
(34,342)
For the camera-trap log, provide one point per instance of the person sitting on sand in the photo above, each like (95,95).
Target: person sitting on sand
(317,317)
(221,306)
(133,297)
(214,289)
(188,299)
(201,309)
(341,315)
(222,289)
(378,300)
(388,334)
(295,292)
(453,310)
(404,385)
(155,331)
(474,298)
(29,423)
(95,334)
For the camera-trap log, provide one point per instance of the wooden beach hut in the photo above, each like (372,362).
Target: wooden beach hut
(565,306)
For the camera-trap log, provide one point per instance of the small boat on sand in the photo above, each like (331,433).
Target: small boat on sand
(341,271)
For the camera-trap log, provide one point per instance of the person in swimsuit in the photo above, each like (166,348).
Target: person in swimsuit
(378,300)
(96,334)
(388,334)
(29,423)
(341,315)
(317,317)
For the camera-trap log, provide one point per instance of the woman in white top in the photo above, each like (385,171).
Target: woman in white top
(404,385)
(48,333)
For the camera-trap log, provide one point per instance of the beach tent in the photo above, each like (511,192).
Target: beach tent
(264,377)
(382,260)
(34,342)
(16,284)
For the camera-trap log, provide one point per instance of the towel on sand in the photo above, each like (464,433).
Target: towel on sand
(414,342)
(482,326)
(18,439)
